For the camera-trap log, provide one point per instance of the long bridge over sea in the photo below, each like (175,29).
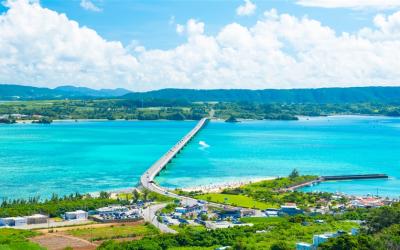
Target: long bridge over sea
(147,179)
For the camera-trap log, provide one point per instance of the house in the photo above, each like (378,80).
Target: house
(36,219)
(247,212)
(76,215)
(271,212)
(367,202)
(189,209)
(229,213)
(290,209)
(304,246)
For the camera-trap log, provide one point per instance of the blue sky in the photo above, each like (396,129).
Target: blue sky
(149,21)
(153,44)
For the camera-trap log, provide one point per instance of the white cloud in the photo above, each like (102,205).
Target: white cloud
(89,5)
(248,8)
(192,28)
(357,4)
(180,28)
(44,48)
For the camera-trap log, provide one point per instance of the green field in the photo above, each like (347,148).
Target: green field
(236,200)
(14,239)
(114,232)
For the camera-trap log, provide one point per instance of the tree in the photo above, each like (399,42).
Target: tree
(145,194)
(383,217)
(280,245)
(135,195)
(294,174)
(104,195)
(348,242)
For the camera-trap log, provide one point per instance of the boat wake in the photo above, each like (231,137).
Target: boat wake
(203,144)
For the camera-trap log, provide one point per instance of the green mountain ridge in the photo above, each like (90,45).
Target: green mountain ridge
(317,95)
(321,95)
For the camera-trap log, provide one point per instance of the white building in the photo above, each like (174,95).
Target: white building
(224,224)
(14,221)
(76,215)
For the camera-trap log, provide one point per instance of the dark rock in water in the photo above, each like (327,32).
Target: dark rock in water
(44,120)
(7,120)
(231,119)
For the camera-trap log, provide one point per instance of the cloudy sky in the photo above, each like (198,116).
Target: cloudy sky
(153,44)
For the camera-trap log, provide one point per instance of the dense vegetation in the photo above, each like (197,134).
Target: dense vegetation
(381,232)
(322,95)
(55,206)
(154,109)
(106,109)
(265,234)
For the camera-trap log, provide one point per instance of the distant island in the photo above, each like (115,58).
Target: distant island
(73,103)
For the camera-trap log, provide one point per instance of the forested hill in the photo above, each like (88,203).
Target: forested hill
(19,92)
(323,95)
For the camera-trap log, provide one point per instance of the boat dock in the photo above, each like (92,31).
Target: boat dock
(354,177)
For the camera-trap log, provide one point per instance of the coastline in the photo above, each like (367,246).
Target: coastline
(220,186)
(300,118)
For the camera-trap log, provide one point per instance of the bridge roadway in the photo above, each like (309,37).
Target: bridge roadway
(147,179)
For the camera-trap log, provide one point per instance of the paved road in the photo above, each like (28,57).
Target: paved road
(149,214)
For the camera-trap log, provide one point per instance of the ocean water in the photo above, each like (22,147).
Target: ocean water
(66,157)
(319,146)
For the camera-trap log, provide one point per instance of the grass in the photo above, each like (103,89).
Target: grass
(14,239)
(114,232)
(196,228)
(236,200)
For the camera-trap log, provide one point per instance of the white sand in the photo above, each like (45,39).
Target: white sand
(218,187)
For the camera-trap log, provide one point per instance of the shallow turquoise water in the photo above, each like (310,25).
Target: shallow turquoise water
(321,146)
(67,157)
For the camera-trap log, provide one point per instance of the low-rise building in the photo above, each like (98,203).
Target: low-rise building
(37,219)
(290,209)
(13,221)
(76,215)
(224,224)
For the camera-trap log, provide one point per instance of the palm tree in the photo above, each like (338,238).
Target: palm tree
(145,194)
(135,195)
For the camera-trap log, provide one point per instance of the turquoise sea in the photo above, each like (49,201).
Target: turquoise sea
(66,157)
(319,146)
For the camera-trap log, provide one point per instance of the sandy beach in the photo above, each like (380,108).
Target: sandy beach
(218,187)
